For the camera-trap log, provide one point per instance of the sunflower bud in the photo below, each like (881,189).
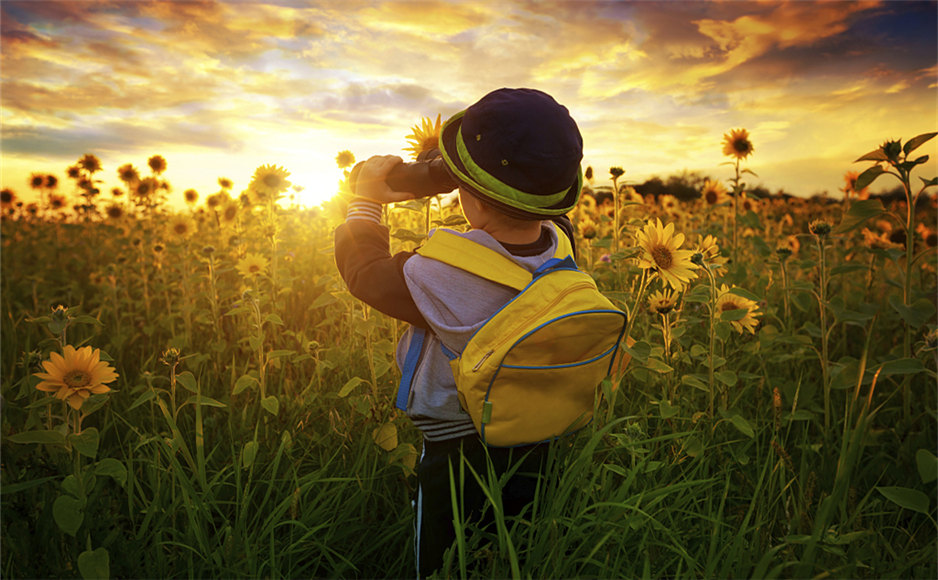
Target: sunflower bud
(616,172)
(892,149)
(208,250)
(170,357)
(820,227)
(697,258)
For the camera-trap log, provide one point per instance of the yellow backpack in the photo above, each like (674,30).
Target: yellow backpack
(530,373)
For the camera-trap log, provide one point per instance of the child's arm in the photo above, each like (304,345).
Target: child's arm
(363,250)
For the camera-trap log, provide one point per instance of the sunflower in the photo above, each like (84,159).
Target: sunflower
(157,164)
(736,144)
(345,159)
(37,181)
(663,301)
(268,183)
(90,163)
(56,202)
(878,240)
(191,196)
(660,252)
(7,198)
(180,226)
(230,212)
(114,211)
(729,301)
(423,137)
(850,186)
(128,173)
(75,375)
(713,192)
(747,203)
(789,245)
(252,265)
(710,250)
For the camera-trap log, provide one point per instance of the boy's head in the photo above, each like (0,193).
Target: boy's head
(518,151)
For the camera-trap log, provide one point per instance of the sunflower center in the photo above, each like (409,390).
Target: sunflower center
(730,305)
(711,197)
(662,257)
(741,145)
(76,379)
(254,268)
(272,180)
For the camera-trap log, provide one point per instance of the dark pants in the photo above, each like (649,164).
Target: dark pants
(433,523)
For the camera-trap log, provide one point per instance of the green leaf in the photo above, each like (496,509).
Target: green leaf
(860,211)
(85,319)
(847,268)
(917,141)
(113,469)
(203,400)
(734,314)
(94,564)
(187,380)
(280,353)
(745,294)
(244,382)
(248,454)
(866,178)
(325,299)
(902,366)
(68,513)
(43,437)
(271,404)
(349,386)
(926,462)
(728,378)
(143,398)
(658,366)
(929,182)
(408,236)
(693,446)
(696,382)
(639,350)
(915,315)
(273,319)
(875,155)
(667,410)
(911,499)
(744,426)
(86,443)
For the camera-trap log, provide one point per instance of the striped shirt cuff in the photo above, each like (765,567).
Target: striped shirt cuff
(364,210)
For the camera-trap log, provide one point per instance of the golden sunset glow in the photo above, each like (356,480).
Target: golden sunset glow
(218,89)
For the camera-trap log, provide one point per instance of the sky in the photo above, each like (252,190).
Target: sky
(221,88)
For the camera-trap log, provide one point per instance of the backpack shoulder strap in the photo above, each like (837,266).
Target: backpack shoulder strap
(450,248)
(455,250)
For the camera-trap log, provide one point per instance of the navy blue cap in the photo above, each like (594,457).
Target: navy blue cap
(517,149)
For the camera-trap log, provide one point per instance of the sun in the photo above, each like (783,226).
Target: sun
(312,185)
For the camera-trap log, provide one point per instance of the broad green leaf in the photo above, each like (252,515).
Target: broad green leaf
(408,236)
(70,484)
(847,268)
(85,319)
(271,404)
(385,436)
(188,382)
(68,513)
(929,182)
(658,366)
(860,211)
(744,293)
(44,437)
(203,400)
(926,462)
(113,469)
(639,350)
(744,426)
(696,382)
(875,155)
(94,564)
(734,314)
(866,178)
(349,386)
(667,410)
(248,454)
(86,443)
(322,300)
(916,142)
(693,446)
(280,353)
(728,378)
(919,313)
(911,499)
(244,382)
(902,366)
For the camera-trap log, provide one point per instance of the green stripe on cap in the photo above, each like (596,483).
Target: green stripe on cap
(491,186)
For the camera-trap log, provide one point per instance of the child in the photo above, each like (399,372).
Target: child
(515,155)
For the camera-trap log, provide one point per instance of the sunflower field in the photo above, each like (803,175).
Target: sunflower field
(194,393)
